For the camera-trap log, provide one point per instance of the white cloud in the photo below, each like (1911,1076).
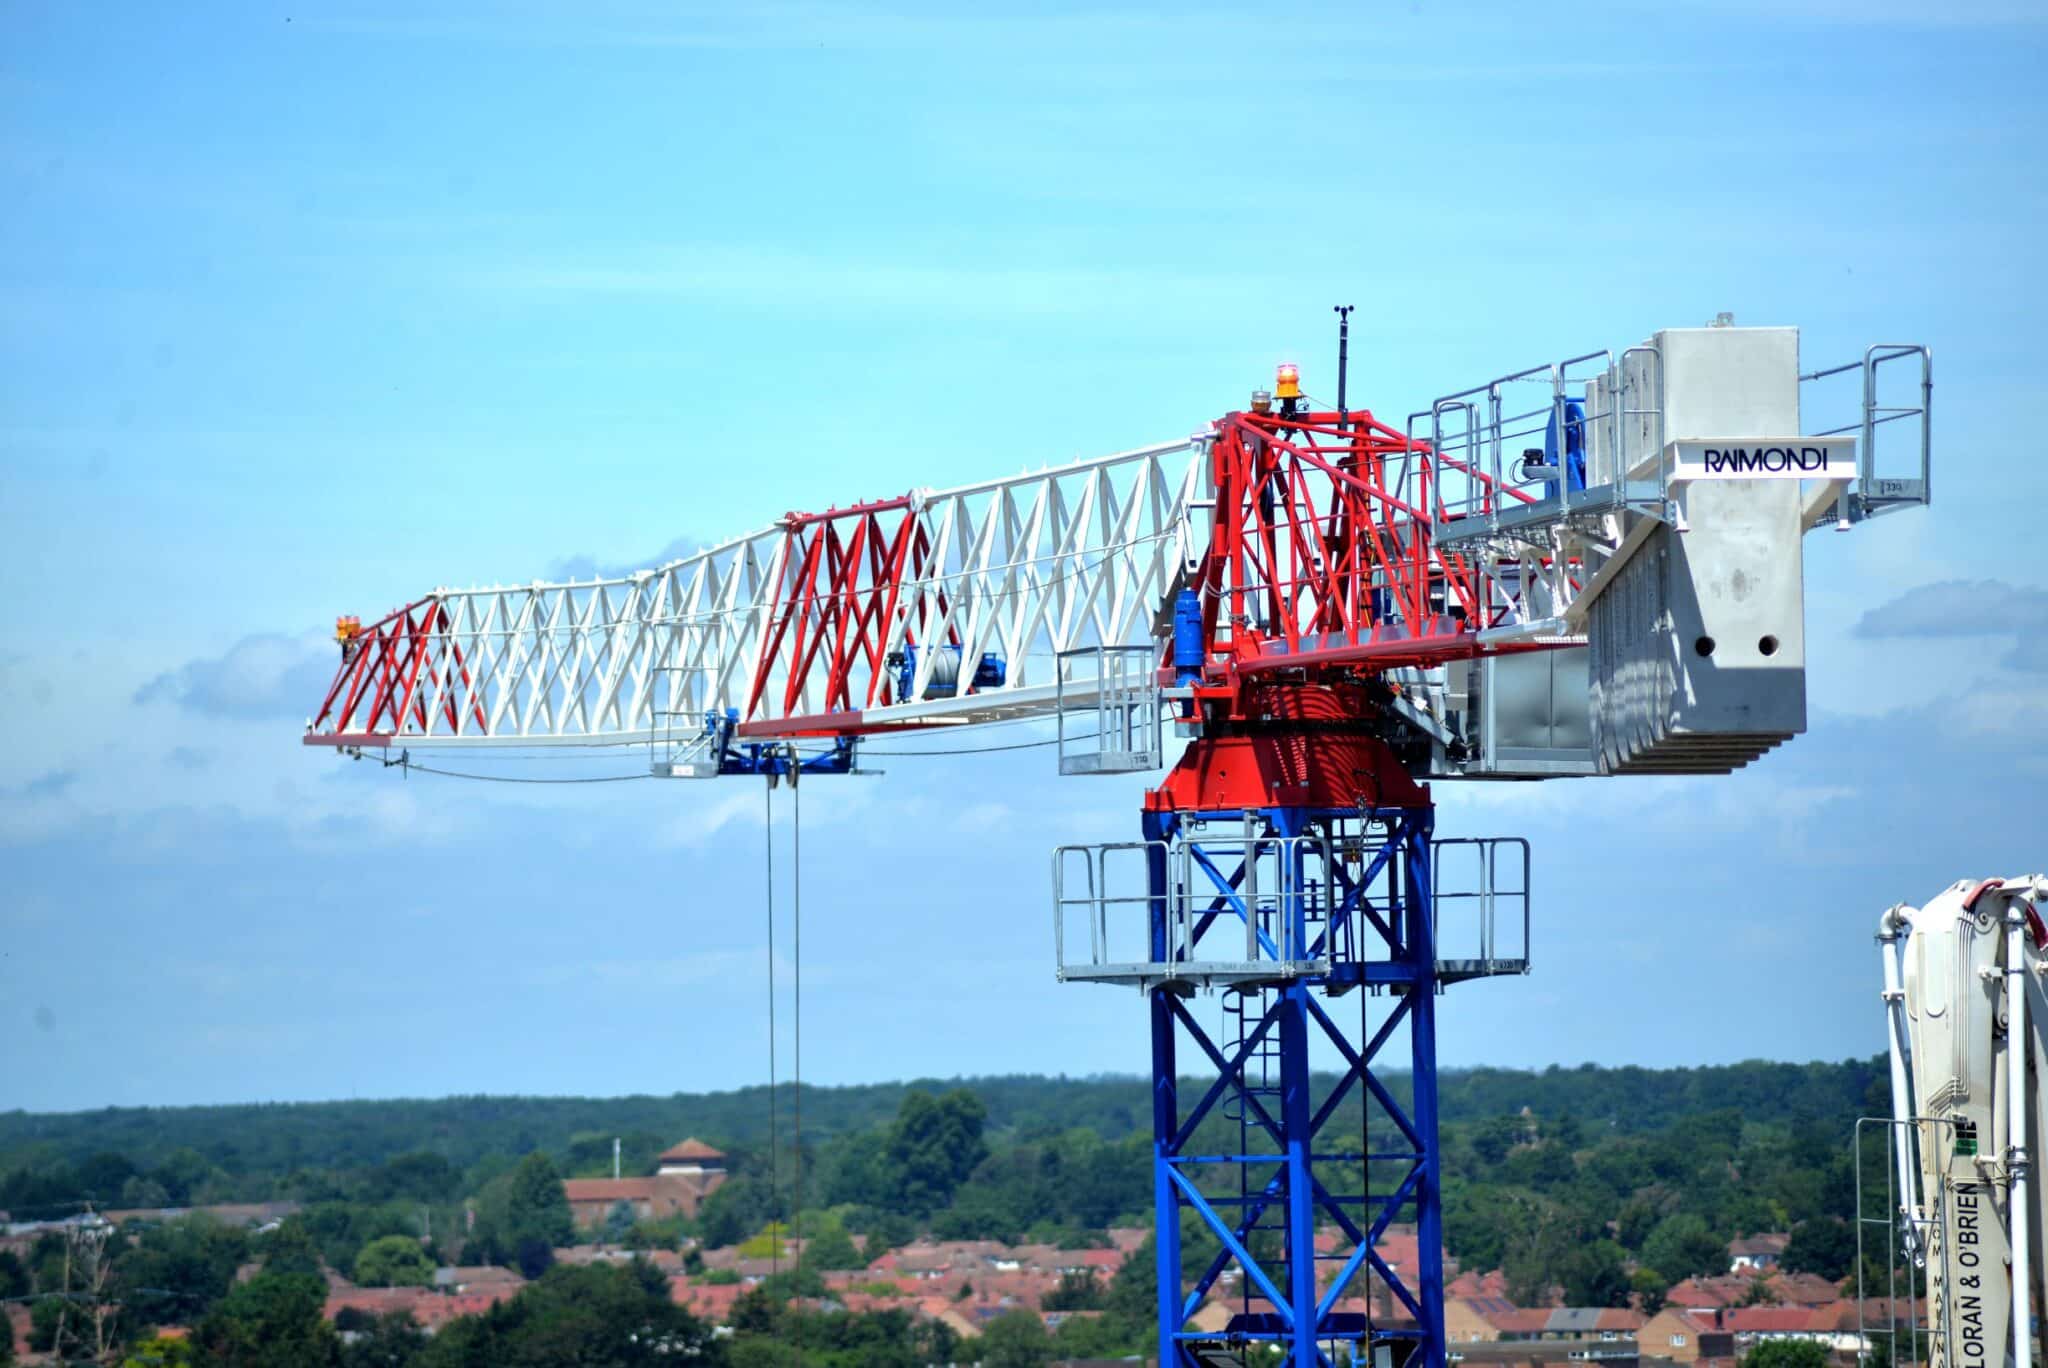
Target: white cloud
(260,677)
(1959,608)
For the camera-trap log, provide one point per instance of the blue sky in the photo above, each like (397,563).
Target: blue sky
(305,308)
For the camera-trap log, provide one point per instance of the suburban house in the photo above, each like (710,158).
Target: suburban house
(1472,1320)
(684,1175)
(1683,1335)
(1756,1253)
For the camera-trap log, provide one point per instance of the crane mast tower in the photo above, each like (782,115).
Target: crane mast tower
(1587,568)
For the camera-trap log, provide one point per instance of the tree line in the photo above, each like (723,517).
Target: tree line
(1611,1184)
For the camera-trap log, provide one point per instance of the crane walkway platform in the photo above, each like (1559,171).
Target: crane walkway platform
(1252,909)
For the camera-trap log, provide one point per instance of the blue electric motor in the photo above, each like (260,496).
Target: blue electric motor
(945,680)
(1574,463)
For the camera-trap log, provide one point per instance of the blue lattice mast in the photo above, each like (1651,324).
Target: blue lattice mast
(1295,911)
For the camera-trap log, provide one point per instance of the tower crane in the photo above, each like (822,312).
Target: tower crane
(1590,567)
(1966,1007)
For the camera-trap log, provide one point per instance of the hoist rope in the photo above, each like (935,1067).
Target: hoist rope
(777,1227)
(774,1177)
(796,956)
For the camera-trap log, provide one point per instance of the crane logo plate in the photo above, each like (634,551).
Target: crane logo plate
(1763,458)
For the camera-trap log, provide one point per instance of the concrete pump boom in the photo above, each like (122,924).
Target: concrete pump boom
(1967,1019)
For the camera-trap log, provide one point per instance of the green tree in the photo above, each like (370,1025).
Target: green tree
(1758,1293)
(419,1177)
(934,1145)
(183,1174)
(597,1316)
(14,1281)
(272,1321)
(394,1261)
(539,1205)
(1104,1337)
(753,1351)
(177,1271)
(1539,1235)
(1638,1217)
(1683,1247)
(1649,1286)
(45,1318)
(533,1257)
(164,1351)
(524,1211)
(1786,1354)
(831,1247)
(1494,1137)
(1077,1291)
(1594,1275)
(393,1340)
(754,1311)
(341,1229)
(885,1230)
(1826,1247)
(1015,1339)
(741,1206)
(290,1249)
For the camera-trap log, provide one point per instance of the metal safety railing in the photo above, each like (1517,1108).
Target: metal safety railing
(1900,1238)
(1107,710)
(1256,907)
(1481,905)
(1235,909)
(1883,485)
(1505,471)
(1497,460)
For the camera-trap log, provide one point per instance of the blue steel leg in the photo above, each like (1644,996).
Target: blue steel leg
(1165,1200)
(1429,1210)
(1295,1114)
(1165,1103)
(1296,1103)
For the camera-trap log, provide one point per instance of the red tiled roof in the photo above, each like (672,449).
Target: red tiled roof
(377,1301)
(1752,1320)
(1477,1284)
(692,1148)
(1695,1321)
(437,1311)
(1803,1289)
(1708,1292)
(709,1301)
(608,1189)
(1516,1321)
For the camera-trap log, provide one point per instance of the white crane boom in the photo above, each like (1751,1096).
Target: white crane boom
(803,627)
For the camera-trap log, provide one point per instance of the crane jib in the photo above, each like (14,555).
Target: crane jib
(1307,538)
